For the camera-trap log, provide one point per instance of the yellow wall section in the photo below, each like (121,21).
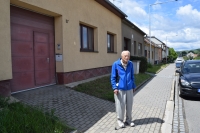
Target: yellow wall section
(5,44)
(67,34)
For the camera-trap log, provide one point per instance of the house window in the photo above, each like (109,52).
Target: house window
(148,54)
(110,43)
(139,49)
(135,48)
(145,52)
(87,38)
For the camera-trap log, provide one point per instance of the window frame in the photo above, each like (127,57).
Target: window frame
(135,48)
(89,44)
(110,40)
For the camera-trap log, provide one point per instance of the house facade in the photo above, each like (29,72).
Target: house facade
(156,50)
(132,38)
(56,43)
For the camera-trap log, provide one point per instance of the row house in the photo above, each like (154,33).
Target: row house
(158,50)
(62,42)
(133,38)
(46,42)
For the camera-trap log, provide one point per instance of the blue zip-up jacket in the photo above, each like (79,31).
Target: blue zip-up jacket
(124,78)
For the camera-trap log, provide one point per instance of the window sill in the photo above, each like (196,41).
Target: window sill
(112,52)
(89,51)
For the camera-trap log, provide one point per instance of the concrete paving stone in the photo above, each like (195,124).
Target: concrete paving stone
(152,128)
(175,125)
(137,127)
(175,122)
(151,131)
(126,129)
(143,127)
(91,131)
(148,126)
(134,131)
(157,128)
(176,117)
(97,127)
(176,130)
(181,119)
(156,131)
(146,130)
(113,131)
(182,129)
(99,130)
(153,125)
(141,130)
(104,129)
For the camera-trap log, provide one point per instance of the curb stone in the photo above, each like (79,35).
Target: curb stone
(166,127)
(75,131)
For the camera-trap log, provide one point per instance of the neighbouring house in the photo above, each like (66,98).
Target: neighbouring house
(132,38)
(191,55)
(157,48)
(46,42)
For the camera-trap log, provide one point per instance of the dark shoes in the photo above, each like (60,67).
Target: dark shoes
(130,124)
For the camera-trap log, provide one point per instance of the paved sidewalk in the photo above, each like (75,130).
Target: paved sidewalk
(93,115)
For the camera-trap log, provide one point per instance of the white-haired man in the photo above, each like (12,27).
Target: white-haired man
(123,85)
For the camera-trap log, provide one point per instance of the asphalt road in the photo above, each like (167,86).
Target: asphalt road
(192,113)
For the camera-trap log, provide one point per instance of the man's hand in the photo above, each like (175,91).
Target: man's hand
(115,91)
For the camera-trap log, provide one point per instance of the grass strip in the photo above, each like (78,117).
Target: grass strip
(20,118)
(101,87)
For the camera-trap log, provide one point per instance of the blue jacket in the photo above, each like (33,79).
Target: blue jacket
(124,78)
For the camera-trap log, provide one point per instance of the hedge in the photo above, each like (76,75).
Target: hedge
(143,63)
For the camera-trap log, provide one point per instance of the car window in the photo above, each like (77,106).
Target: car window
(191,68)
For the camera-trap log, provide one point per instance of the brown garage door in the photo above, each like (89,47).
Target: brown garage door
(32,42)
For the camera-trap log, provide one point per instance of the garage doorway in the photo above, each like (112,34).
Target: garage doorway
(32,47)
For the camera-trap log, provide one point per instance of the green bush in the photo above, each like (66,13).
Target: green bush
(150,65)
(143,63)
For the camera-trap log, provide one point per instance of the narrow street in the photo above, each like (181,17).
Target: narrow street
(192,109)
(186,113)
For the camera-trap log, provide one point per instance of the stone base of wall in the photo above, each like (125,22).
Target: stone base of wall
(69,77)
(63,78)
(5,89)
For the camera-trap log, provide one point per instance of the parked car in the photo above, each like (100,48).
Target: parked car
(189,78)
(178,62)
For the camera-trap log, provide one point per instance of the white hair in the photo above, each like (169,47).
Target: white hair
(125,51)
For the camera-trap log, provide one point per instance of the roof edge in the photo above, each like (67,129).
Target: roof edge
(134,26)
(111,7)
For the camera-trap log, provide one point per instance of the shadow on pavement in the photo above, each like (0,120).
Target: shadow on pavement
(149,120)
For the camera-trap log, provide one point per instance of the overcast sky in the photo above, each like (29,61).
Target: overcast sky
(178,22)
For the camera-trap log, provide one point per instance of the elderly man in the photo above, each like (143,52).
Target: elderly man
(123,85)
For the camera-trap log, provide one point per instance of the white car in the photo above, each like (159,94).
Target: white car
(178,62)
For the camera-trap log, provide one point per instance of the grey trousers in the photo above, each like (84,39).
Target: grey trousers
(124,101)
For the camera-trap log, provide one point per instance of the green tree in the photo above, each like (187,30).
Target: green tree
(184,53)
(172,54)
